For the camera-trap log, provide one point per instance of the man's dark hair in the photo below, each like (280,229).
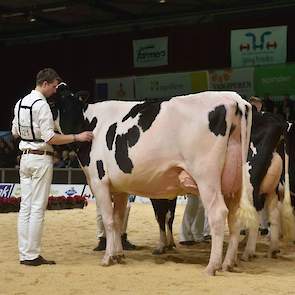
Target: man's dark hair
(47,74)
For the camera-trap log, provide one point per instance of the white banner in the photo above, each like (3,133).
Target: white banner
(116,88)
(67,190)
(239,80)
(150,52)
(258,46)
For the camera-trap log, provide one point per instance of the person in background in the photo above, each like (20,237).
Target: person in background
(193,228)
(33,124)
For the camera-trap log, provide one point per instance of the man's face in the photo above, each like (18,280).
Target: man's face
(49,88)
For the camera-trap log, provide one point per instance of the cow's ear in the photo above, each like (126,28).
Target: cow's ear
(83,95)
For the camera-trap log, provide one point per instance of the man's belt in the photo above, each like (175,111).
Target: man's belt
(37,152)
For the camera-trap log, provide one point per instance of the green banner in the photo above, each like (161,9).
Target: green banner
(275,80)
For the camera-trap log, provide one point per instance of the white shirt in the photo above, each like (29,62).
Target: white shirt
(43,124)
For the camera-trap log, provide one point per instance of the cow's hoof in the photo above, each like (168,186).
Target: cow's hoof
(159,251)
(210,271)
(118,258)
(107,261)
(273,253)
(227,267)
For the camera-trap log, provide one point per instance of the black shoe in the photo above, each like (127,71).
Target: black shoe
(263,231)
(37,261)
(207,238)
(126,244)
(101,245)
(187,243)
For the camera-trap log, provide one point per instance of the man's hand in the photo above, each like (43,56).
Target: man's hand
(84,136)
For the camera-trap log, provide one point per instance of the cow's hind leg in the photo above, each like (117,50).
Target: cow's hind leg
(250,248)
(216,209)
(160,209)
(169,221)
(274,219)
(234,233)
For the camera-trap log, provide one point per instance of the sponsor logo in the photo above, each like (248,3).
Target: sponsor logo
(5,190)
(258,42)
(71,192)
(149,53)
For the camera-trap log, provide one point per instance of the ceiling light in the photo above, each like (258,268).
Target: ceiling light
(12,14)
(54,9)
(162,1)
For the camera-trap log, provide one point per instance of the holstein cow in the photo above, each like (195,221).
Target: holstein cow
(265,172)
(265,167)
(193,144)
(286,150)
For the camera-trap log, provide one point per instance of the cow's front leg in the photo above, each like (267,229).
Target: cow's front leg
(104,202)
(234,233)
(120,202)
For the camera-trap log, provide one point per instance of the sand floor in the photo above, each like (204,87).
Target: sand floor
(69,237)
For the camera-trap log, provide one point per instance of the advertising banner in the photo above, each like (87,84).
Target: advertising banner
(276,80)
(258,46)
(66,190)
(150,52)
(199,81)
(169,85)
(116,88)
(6,190)
(239,80)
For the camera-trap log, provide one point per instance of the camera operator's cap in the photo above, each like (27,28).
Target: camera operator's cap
(255,99)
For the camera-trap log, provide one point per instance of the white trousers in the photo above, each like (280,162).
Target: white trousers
(35,180)
(193,226)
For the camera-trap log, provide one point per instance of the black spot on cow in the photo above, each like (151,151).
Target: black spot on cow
(121,154)
(110,136)
(133,136)
(100,169)
(217,123)
(147,111)
(84,148)
(90,126)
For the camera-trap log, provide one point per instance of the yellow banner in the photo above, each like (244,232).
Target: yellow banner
(199,81)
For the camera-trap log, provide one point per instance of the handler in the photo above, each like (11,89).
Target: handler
(33,123)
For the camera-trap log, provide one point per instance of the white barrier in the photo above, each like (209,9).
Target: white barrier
(13,189)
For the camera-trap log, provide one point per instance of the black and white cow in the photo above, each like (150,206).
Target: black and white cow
(193,144)
(265,168)
(286,150)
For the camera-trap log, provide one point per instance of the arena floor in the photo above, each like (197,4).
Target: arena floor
(69,237)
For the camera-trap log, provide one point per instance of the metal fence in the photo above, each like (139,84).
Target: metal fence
(60,176)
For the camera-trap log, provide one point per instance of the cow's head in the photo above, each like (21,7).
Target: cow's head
(68,109)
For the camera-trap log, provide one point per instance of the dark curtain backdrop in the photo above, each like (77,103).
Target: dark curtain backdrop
(79,61)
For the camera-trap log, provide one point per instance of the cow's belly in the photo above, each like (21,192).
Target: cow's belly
(273,174)
(157,184)
(231,180)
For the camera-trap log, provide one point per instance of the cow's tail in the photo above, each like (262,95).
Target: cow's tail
(287,217)
(246,212)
